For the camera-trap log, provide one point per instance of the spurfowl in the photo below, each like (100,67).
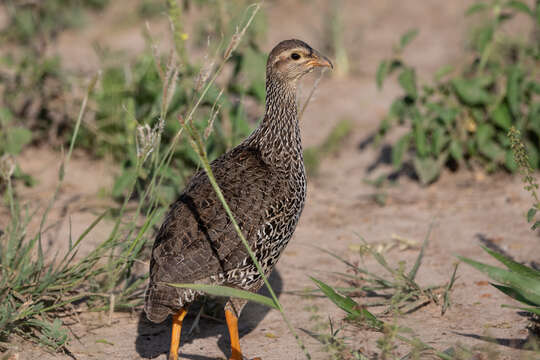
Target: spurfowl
(264,183)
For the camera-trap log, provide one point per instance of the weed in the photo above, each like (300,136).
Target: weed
(462,116)
(399,291)
(530,184)
(40,21)
(520,282)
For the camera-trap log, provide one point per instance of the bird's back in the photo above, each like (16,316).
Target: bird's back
(197,242)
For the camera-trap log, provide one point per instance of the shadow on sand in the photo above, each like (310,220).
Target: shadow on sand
(154,339)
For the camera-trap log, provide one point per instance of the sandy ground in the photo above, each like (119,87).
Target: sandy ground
(462,208)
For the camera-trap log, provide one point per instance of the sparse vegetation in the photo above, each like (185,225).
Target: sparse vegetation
(462,116)
(160,116)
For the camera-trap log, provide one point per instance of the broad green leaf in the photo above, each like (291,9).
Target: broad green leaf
(471,92)
(530,214)
(407,37)
(476,7)
(420,140)
(513,293)
(529,288)
(455,150)
(382,72)
(224,291)
(399,149)
(501,116)
(427,169)
(536,225)
(397,109)
(514,266)
(407,80)
(492,151)
(439,139)
(513,93)
(484,134)
(519,6)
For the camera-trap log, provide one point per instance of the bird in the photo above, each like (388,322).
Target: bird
(263,181)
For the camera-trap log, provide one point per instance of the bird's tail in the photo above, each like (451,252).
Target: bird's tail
(160,301)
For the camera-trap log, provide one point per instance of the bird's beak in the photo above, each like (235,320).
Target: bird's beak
(320,60)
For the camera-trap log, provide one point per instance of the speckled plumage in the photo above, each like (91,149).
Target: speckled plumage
(264,183)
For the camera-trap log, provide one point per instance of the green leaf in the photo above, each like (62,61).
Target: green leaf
(407,37)
(455,150)
(484,37)
(418,262)
(348,305)
(535,225)
(224,291)
(16,139)
(484,134)
(399,150)
(382,72)
(513,94)
(471,92)
(493,151)
(420,137)
(513,293)
(528,288)
(534,310)
(442,72)
(5,117)
(439,140)
(476,7)
(514,266)
(407,80)
(427,169)
(501,116)
(530,214)
(519,6)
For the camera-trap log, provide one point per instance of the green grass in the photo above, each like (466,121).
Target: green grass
(146,135)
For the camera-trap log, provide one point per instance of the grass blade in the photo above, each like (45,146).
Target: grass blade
(414,270)
(528,288)
(348,305)
(225,291)
(514,266)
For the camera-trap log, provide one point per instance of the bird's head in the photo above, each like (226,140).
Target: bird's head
(291,59)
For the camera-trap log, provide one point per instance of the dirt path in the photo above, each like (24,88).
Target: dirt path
(462,207)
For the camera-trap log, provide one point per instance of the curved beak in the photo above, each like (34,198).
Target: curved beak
(319,60)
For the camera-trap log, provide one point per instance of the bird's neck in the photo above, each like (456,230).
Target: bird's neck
(278,135)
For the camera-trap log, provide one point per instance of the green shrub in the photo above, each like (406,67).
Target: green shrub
(30,21)
(463,115)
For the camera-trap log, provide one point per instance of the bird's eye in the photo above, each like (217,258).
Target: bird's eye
(295,56)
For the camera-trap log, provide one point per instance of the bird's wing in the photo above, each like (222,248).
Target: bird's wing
(197,239)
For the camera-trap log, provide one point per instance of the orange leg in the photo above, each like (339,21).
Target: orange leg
(232,324)
(176,331)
